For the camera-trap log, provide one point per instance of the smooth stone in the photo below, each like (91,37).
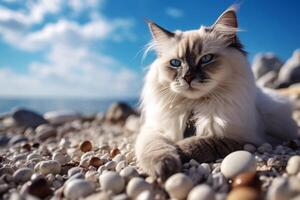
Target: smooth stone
(111,181)
(86,146)
(61,116)
(293,165)
(178,186)
(49,167)
(120,197)
(146,195)
(61,158)
(238,162)
(119,158)
(201,192)
(121,165)
(74,170)
(39,187)
(78,188)
(22,175)
(33,156)
(137,185)
(95,162)
(265,148)
(248,179)
(45,131)
(250,148)
(111,165)
(128,172)
(6,170)
(17,139)
(28,118)
(4,139)
(244,193)
(114,152)
(132,123)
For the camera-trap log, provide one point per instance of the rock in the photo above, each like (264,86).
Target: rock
(265,148)
(245,193)
(250,148)
(114,152)
(22,175)
(132,123)
(128,173)
(27,118)
(49,167)
(77,189)
(111,181)
(17,139)
(61,158)
(201,192)
(237,163)
(178,186)
(95,162)
(137,185)
(117,113)
(86,146)
(146,195)
(290,71)
(263,63)
(4,139)
(45,131)
(268,80)
(279,190)
(39,187)
(293,165)
(121,165)
(61,116)
(248,179)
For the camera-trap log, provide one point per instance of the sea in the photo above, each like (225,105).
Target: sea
(42,105)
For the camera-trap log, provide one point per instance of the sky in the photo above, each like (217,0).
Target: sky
(94,48)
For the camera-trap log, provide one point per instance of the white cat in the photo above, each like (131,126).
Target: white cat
(204,75)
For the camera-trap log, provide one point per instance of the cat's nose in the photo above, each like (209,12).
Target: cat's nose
(188,78)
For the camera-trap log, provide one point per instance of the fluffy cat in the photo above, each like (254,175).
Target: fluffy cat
(203,76)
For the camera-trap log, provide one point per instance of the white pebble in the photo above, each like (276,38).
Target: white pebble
(178,186)
(78,188)
(238,162)
(137,185)
(111,181)
(121,165)
(128,172)
(201,192)
(145,195)
(111,165)
(49,167)
(293,165)
(61,158)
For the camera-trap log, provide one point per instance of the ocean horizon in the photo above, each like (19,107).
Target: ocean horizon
(44,104)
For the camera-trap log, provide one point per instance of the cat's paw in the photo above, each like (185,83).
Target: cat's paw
(161,164)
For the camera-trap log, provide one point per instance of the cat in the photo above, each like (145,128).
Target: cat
(203,76)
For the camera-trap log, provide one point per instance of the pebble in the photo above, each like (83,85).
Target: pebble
(39,187)
(128,172)
(114,152)
(121,165)
(201,192)
(61,116)
(244,193)
(61,158)
(112,181)
(78,188)
(248,179)
(250,148)
(146,195)
(178,186)
(95,161)
(45,131)
(49,167)
(137,185)
(265,148)
(27,118)
(86,146)
(293,165)
(238,162)
(22,175)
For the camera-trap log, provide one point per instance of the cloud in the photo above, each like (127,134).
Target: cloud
(174,12)
(69,66)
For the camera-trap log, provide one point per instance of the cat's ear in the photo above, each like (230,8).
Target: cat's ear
(227,22)
(158,33)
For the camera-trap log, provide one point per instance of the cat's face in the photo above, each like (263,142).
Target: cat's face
(193,63)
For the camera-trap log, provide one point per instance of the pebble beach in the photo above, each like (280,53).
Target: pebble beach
(64,155)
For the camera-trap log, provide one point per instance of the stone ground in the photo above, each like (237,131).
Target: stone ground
(78,157)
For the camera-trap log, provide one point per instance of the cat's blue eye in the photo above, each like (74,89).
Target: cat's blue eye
(207,58)
(175,63)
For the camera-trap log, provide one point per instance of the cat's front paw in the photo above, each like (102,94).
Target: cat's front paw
(161,164)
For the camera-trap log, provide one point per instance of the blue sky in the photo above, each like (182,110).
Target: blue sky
(93,48)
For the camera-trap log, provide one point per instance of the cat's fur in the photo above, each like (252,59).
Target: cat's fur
(223,100)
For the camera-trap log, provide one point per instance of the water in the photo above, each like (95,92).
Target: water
(42,105)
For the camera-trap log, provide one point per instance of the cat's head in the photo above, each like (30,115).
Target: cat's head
(193,63)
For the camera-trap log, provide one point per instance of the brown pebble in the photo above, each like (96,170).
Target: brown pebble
(114,152)
(86,146)
(248,179)
(244,193)
(26,146)
(96,162)
(39,187)
(36,145)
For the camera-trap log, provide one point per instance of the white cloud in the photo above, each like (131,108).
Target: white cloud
(69,67)
(174,12)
